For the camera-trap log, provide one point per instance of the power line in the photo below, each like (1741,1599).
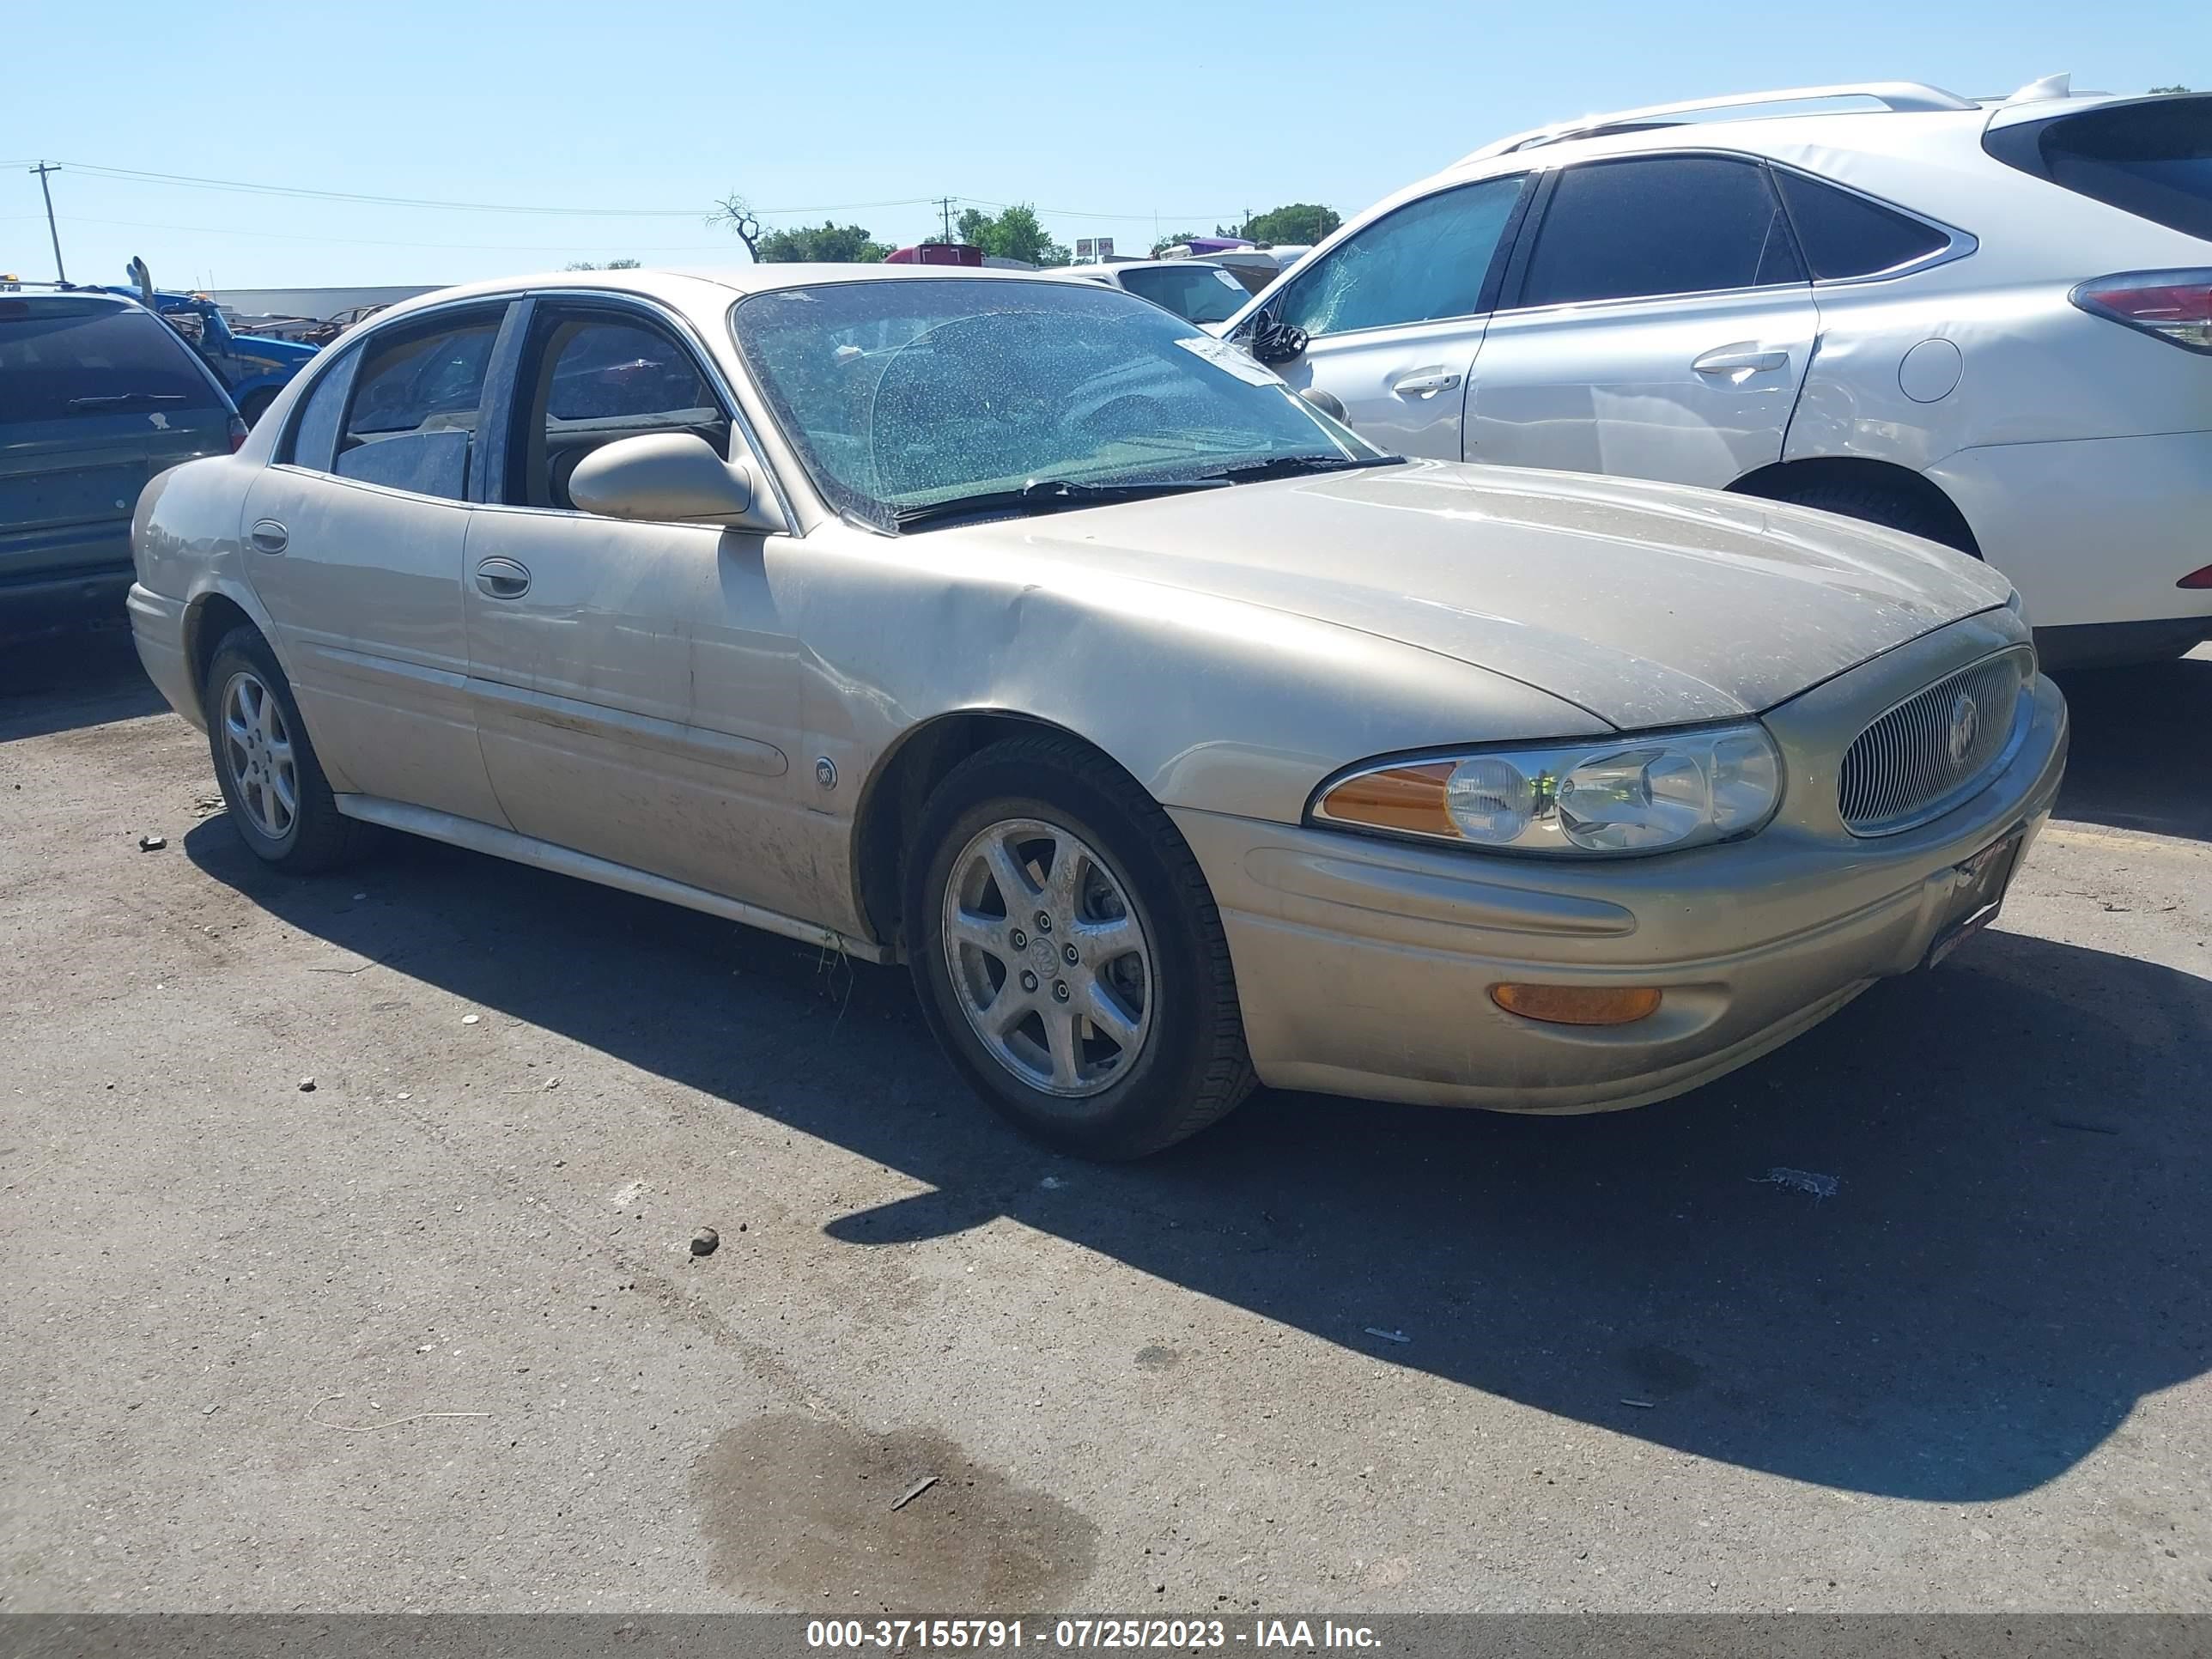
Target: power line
(1076,213)
(365,241)
(194,181)
(190,181)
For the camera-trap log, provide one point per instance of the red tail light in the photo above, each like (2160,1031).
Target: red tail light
(2174,305)
(2198,579)
(237,433)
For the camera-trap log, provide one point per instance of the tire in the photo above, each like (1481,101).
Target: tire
(1874,503)
(261,751)
(1165,1056)
(256,405)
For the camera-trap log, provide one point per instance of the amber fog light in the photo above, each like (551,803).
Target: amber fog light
(1577,1005)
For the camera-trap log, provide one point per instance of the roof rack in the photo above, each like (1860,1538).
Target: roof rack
(1903,96)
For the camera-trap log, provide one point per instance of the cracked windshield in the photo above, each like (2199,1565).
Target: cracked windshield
(906,395)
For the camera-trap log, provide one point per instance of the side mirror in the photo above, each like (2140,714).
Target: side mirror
(1274,341)
(1328,402)
(673,477)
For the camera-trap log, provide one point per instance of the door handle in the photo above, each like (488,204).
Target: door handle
(503,579)
(1425,382)
(269,536)
(1730,360)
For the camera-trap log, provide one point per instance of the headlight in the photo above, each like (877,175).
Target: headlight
(1591,798)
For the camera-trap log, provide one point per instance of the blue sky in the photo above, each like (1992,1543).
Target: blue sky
(1104,116)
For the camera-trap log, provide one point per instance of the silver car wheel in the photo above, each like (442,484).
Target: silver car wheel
(258,746)
(1048,957)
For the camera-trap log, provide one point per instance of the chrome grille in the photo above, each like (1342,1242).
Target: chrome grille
(1934,749)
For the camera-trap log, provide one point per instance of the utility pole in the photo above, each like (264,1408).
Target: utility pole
(42,170)
(946,203)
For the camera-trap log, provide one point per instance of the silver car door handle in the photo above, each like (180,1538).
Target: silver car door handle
(1727,359)
(269,536)
(1425,382)
(503,579)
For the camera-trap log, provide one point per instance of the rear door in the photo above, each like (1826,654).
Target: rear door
(95,398)
(1395,313)
(355,537)
(1657,324)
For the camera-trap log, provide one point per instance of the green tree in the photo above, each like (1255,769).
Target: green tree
(1297,224)
(1012,234)
(830,244)
(611,265)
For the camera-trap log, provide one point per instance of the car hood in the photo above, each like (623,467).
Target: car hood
(1645,604)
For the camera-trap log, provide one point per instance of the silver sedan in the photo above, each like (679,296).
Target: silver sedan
(1174,736)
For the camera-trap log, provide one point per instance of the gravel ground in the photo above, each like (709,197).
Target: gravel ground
(431,1333)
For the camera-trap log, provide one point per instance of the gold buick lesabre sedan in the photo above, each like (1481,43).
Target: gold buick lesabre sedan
(1176,738)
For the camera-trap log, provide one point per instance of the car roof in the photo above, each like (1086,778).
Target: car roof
(710,287)
(1106,267)
(76,296)
(1890,99)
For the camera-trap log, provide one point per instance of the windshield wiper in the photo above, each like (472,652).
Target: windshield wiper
(114,399)
(1046,496)
(1299,466)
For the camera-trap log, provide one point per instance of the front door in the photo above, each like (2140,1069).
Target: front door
(635,686)
(1659,327)
(1394,315)
(354,541)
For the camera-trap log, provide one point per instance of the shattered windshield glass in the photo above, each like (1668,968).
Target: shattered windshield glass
(900,394)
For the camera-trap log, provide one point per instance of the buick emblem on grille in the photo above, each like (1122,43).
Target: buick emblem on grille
(1966,722)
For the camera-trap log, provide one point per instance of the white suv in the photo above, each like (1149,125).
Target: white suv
(1987,323)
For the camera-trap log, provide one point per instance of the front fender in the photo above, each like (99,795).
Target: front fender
(1210,703)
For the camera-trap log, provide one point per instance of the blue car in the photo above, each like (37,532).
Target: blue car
(252,369)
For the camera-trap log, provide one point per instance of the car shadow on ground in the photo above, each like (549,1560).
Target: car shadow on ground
(2014,1251)
(2141,739)
(89,677)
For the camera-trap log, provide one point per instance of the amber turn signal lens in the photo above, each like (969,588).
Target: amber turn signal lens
(1577,1005)
(1409,797)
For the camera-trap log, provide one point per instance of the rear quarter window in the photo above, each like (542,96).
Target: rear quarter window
(2152,160)
(1842,235)
(60,359)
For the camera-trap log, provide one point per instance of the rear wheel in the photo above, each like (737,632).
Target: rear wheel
(1873,503)
(278,798)
(256,404)
(1068,953)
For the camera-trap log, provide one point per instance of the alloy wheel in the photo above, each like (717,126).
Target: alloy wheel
(258,744)
(1048,957)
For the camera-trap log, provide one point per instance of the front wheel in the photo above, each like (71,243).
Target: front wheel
(1068,953)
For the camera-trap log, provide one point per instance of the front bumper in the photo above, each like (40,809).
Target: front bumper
(1364,965)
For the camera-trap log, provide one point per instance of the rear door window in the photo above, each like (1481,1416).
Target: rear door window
(416,400)
(61,358)
(1663,225)
(2152,160)
(1845,236)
